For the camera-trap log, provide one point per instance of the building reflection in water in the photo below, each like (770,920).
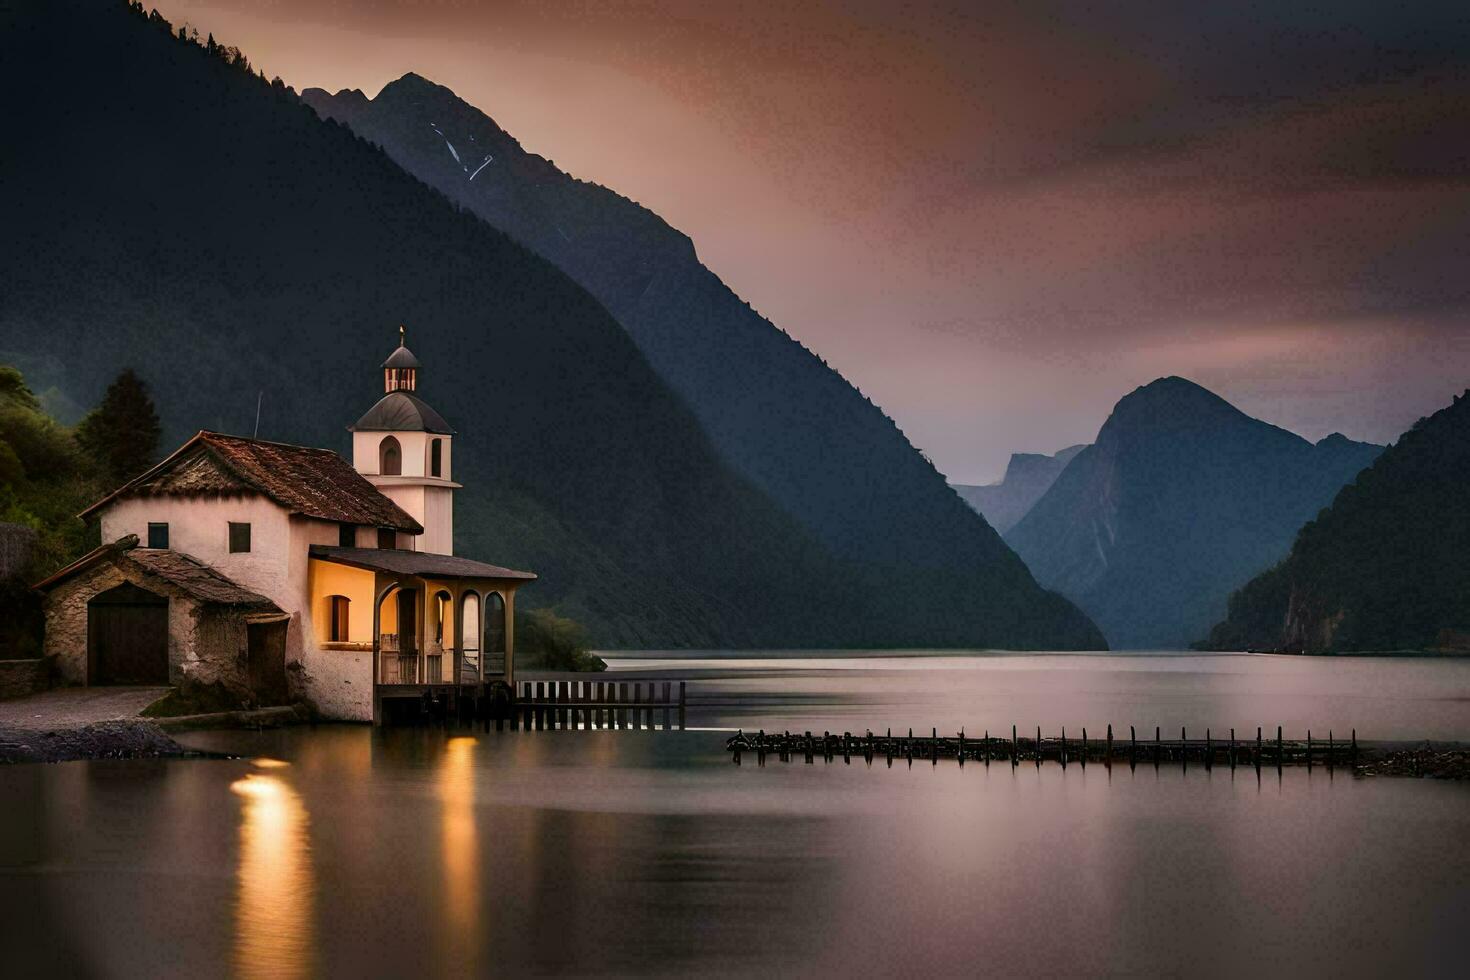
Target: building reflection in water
(274,908)
(460,841)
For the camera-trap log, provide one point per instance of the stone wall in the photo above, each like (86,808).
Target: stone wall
(205,642)
(21,677)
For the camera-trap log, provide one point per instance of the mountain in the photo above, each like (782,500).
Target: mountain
(774,411)
(1181,499)
(166,209)
(1027,477)
(1386,567)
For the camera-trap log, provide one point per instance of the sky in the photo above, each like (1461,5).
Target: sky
(997,219)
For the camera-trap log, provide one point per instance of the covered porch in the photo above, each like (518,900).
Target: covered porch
(440,624)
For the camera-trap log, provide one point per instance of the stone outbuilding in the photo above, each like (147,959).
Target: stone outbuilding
(123,614)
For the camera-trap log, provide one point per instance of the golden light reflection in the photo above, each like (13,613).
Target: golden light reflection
(266,763)
(274,926)
(461,855)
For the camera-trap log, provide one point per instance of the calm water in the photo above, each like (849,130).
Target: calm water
(343,851)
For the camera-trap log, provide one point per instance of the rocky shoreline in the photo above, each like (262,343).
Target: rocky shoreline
(101,740)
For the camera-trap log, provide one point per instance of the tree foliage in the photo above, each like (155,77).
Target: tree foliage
(547,641)
(121,434)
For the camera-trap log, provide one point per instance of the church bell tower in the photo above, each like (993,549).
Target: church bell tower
(402,446)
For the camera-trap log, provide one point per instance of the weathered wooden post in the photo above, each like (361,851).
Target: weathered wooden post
(1158,746)
(1355,746)
(1132,747)
(987,748)
(1278,746)
(934,745)
(1329,750)
(1084,748)
(1063,749)
(666,705)
(1258,748)
(1209,751)
(1015,746)
(1309,750)
(1183,749)
(1038,746)
(681,706)
(1232,750)
(1110,746)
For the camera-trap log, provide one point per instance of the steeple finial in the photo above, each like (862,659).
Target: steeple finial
(402,333)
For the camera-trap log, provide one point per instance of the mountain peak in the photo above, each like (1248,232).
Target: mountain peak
(1172,403)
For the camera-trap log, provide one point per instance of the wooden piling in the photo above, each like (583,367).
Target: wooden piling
(666,705)
(681,706)
(1278,747)
(1015,746)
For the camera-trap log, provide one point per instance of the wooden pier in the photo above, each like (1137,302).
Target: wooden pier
(1222,749)
(591,705)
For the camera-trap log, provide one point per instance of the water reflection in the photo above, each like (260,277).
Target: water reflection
(274,933)
(460,855)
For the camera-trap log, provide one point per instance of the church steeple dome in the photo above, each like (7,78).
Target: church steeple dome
(401,369)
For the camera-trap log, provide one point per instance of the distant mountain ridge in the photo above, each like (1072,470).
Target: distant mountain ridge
(1385,568)
(1181,500)
(243,246)
(1027,477)
(774,411)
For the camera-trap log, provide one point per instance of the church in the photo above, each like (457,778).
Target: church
(285,573)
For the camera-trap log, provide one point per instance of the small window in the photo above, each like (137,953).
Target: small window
(347,535)
(157,535)
(339,632)
(387,538)
(390,457)
(436,457)
(239,538)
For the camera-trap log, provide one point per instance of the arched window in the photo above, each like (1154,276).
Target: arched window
(390,457)
(338,631)
(494,634)
(436,457)
(469,650)
(442,602)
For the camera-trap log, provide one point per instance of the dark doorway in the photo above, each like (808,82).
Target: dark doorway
(408,624)
(127,637)
(265,661)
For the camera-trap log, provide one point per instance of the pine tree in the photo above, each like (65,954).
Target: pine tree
(121,434)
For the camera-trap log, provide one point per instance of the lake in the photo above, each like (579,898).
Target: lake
(341,850)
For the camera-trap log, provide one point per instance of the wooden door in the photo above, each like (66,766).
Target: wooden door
(265,661)
(127,637)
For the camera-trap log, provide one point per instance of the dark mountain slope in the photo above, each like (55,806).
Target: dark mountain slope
(1182,498)
(1386,567)
(1027,477)
(774,411)
(164,209)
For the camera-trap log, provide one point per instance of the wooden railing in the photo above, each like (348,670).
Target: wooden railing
(597,704)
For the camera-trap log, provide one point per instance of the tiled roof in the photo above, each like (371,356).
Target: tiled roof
(312,482)
(184,572)
(418,563)
(194,577)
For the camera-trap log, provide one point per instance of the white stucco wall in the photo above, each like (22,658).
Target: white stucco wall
(199,526)
(415,452)
(428,500)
